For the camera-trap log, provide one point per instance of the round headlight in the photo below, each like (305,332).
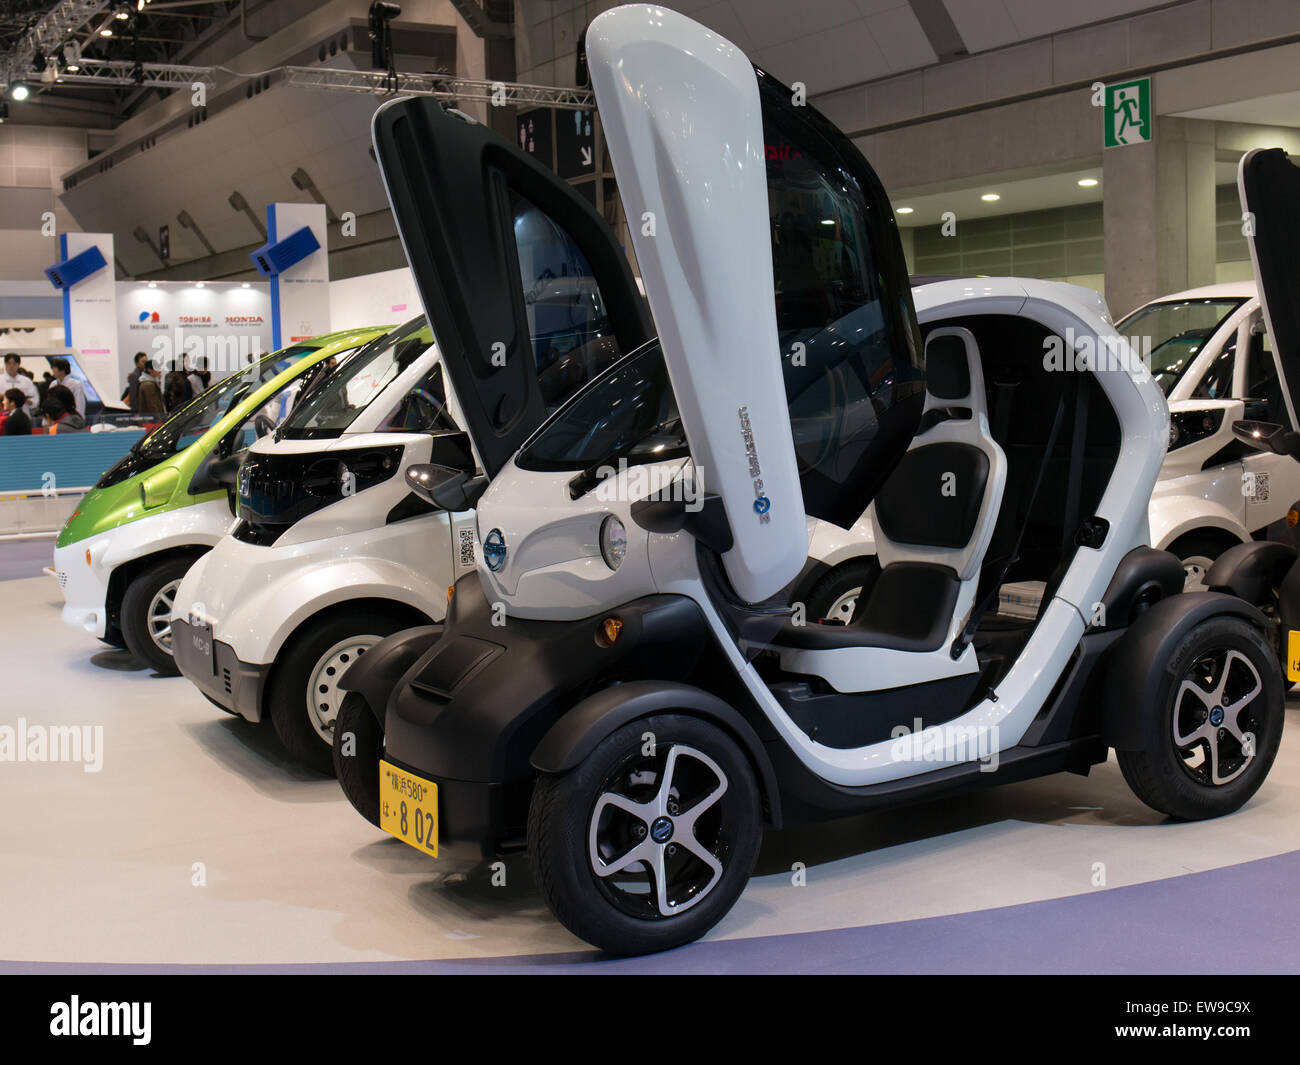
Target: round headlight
(613,542)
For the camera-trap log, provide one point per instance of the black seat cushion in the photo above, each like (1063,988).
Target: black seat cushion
(934,496)
(909,609)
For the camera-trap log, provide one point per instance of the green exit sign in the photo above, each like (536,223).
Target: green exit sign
(1128,113)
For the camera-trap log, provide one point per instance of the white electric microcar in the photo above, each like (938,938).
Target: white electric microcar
(620,688)
(332,549)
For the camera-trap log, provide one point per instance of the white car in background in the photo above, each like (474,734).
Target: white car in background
(1210,353)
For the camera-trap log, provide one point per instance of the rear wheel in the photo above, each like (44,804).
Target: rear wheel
(1210,740)
(147,614)
(358,744)
(305,697)
(649,841)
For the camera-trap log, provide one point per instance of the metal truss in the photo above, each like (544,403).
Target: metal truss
(49,34)
(441,86)
(122,72)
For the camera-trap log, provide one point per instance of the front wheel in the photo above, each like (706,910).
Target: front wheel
(648,842)
(304,693)
(147,614)
(834,598)
(358,745)
(1209,742)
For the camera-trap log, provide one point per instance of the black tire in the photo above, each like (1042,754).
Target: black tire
(287,691)
(598,909)
(1160,772)
(141,608)
(832,587)
(358,746)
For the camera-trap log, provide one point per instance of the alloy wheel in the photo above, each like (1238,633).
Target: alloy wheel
(159,616)
(1217,717)
(657,839)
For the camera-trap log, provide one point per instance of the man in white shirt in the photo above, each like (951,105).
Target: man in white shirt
(11,378)
(63,375)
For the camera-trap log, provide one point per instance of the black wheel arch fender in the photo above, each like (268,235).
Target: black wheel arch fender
(1251,571)
(576,734)
(1136,664)
(377,673)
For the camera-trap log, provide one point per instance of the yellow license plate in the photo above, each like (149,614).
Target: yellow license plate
(408,808)
(1293,654)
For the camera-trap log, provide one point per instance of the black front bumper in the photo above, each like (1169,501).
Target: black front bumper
(468,713)
(237,686)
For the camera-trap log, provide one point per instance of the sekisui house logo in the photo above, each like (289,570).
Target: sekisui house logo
(148,317)
(133,1020)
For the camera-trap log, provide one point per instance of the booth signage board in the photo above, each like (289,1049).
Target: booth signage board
(1128,113)
(90,315)
(533,129)
(223,323)
(300,296)
(388,297)
(575,144)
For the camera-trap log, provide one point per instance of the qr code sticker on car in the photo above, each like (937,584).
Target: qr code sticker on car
(1260,484)
(467,547)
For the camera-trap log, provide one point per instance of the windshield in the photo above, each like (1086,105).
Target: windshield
(187,425)
(629,412)
(1170,334)
(340,397)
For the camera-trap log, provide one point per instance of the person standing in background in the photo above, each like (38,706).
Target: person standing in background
(63,375)
(132,393)
(16,422)
(13,377)
(149,397)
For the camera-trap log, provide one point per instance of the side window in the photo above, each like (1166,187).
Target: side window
(570,330)
(1217,381)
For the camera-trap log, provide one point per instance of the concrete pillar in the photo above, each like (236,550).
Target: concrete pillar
(1158,214)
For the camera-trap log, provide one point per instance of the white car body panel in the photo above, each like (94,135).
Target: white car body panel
(256,597)
(85,587)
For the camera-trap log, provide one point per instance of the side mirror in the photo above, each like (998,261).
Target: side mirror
(1268,436)
(215,473)
(444,487)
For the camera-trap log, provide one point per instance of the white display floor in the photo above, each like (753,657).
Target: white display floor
(101,867)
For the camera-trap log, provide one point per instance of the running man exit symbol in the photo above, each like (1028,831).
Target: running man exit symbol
(1128,113)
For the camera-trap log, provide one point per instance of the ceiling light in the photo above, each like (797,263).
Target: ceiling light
(904,210)
(990,197)
(1087,182)
(245,285)
(828,221)
(19,92)
(153,284)
(199,284)
(123,15)
(106,32)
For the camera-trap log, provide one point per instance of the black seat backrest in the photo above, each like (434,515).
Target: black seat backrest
(933,498)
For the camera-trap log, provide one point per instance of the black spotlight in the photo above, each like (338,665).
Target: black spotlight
(381,33)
